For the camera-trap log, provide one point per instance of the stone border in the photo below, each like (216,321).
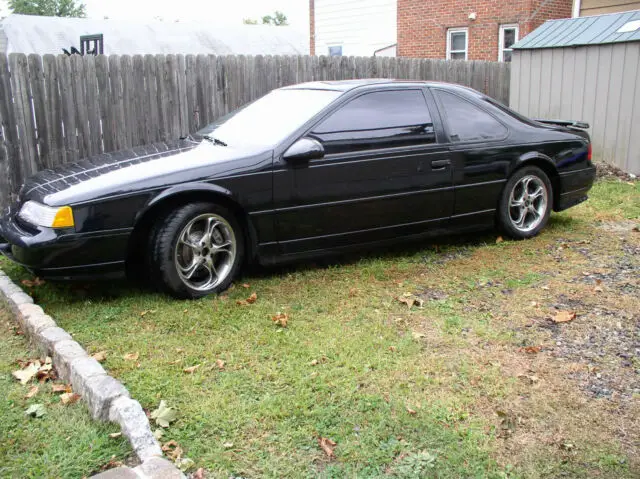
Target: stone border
(106,398)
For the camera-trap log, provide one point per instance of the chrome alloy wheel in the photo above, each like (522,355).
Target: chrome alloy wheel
(205,252)
(528,203)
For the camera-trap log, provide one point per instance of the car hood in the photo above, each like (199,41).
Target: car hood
(141,168)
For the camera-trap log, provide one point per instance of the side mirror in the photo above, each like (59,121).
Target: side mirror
(304,149)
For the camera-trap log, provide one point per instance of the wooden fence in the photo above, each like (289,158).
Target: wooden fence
(57,109)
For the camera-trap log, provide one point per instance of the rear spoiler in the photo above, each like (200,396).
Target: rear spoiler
(575,124)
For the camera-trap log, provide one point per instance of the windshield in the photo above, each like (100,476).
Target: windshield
(270,119)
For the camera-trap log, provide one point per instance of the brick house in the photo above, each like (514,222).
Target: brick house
(473,30)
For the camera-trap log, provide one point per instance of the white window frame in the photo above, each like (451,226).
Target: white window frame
(501,49)
(464,30)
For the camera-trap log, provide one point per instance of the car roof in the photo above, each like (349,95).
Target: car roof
(347,85)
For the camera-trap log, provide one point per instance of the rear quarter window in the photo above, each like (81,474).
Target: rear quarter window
(467,122)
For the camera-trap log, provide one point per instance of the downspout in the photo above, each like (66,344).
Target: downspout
(575,12)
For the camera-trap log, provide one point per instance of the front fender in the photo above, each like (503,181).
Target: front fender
(194,187)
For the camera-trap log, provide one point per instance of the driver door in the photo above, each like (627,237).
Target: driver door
(383,175)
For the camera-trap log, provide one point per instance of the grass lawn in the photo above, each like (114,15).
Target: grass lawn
(63,443)
(479,382)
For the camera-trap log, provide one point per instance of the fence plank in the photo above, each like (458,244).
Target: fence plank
(23,113)
(117,118)
(140,98)
(93,106)
(130,134)
(38,92)
(78,85)
(104,102)
(151,97)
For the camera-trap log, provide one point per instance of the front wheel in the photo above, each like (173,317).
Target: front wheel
(525,205)
(196,250)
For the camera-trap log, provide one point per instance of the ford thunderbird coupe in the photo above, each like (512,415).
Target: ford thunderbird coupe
(306,170)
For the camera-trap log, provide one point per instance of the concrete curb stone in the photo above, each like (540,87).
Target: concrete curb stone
(107,398)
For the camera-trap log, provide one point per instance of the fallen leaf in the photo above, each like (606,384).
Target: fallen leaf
(531,349)
(199,474)
(246,285)
(315,362)
(353,292)
(69,398)
(410,300)
(546,288)
(191,369)
(185,464)
(158,433)
(499,239)
(598,289)
(411,411)
(115,435)
(61,388)
(534,304)
(179,350)
(99,356)
(417,335)
(392,349)
(227,445)
(172,450)
(131,356)
(564,316)
(28,373)
(148,311)
(327,446)
(636,229)
(32,392)
(220,363)
(281,319)
(36,282)
(35,410)
(164,415)
(250,300)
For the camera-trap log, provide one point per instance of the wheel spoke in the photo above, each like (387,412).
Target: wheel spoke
(521,218)
(212,224)
(537,193)
(213,275)
(516,203)
(189,271)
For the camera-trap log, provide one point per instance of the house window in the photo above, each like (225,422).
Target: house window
(508,36)
(335,51)
(457,43)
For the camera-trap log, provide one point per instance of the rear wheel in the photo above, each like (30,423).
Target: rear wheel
(525,205)
(196,250)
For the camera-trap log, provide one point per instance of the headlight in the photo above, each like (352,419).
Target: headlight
(42,215)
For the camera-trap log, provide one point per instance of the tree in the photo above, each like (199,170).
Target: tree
(278,19)
(48,8)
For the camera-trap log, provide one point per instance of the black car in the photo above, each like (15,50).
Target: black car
(305,170)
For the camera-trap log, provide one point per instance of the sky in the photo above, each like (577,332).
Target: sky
(216,11)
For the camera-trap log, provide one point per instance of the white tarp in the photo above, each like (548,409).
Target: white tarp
(42,35)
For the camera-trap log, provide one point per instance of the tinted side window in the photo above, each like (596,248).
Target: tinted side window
(378,120)
(467,122)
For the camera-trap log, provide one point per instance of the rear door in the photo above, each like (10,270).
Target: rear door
(384,174)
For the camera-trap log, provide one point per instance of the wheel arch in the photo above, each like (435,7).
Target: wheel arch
(178,196)
(547,165)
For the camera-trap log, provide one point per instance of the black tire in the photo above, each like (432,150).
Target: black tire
(167,255)
(537,215)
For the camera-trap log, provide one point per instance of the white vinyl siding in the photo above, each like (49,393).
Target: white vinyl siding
(360,26)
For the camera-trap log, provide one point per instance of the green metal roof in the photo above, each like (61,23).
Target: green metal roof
(572,32)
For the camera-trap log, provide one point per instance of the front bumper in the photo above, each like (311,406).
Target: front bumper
(63,254)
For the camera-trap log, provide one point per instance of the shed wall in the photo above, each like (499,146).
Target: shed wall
(597,84)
